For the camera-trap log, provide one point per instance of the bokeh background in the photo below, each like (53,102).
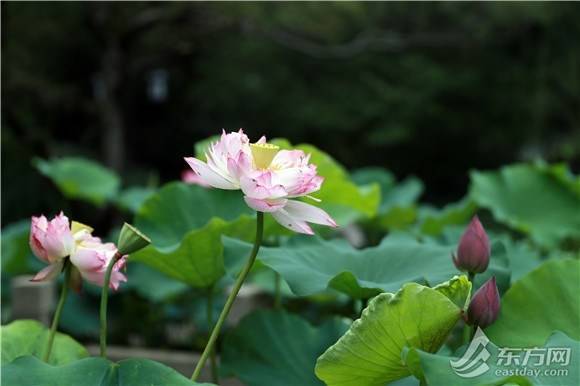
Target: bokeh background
(425,89)
(427,92)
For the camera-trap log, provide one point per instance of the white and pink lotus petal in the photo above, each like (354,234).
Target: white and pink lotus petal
(292,223)
(309,213)
(191,177)
(260,185)
(239,166)
(286,159)
(49,272)
(98,278)
(265,205)
(37,235)
(51,240)
(209,176)
(227,160)
(86,258)
(92,258)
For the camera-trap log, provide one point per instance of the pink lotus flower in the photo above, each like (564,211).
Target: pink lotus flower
(474,250)
(92,257)
(270,179)
(53,241)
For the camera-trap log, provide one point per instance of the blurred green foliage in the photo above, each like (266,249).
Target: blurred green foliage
(79,178)
(405,86)
(552,288)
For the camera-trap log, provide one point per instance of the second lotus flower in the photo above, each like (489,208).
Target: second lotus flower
(271,179)
(55,240)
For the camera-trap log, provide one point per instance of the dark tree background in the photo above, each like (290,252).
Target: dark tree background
(431,89)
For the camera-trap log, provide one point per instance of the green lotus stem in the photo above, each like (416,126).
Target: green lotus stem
(231,298)
(59,307)
(213,358)
(469,331)
(471,277)
(278,291)
(104,301)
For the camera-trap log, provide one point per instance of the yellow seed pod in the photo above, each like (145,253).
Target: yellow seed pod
(76,226)
(263,154)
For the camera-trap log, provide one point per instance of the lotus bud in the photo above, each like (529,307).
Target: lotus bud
(131,240)
(484,307)
(474,250)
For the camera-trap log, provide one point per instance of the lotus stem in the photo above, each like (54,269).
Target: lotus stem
(59,307)
(104,301)
(469,331)
(231,298)
(213,358)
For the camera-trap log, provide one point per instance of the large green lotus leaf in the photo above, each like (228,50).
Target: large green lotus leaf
(433,221)
(185,224)
(29,337)
(393,194)
(198,260)
(398,200)
(499,262)
(341,197)
(178,208)
(132,198)
(29,371)
(311,265)
(562,173)
(277,348)
(542,301)
(532,199)
(522,257)
(369,354)
(435,369)
(152,284)
(265,279)
(80,178)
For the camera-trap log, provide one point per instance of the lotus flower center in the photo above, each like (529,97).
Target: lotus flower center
(263,154)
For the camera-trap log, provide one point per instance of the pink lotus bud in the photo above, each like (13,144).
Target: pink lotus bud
(51,240)
(474,250)
(484,307)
